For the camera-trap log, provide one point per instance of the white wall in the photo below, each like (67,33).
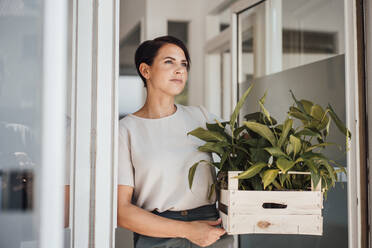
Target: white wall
(131,13)
(132,100)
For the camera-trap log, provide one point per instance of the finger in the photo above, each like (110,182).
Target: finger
(221,231)
(215,222)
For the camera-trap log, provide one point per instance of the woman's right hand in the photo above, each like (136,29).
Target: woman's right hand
(204,232)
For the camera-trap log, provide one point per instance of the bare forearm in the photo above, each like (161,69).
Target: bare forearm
(143,222)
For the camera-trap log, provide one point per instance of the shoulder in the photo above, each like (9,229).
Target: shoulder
(195,111)
(202,113)
(126,124)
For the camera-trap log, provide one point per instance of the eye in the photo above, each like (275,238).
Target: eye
(169,61)
(184,64)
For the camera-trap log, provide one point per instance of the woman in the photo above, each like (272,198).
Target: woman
(155,154)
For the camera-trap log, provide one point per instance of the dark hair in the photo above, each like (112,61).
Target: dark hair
(147,51)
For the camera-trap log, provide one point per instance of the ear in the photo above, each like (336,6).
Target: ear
(145,70)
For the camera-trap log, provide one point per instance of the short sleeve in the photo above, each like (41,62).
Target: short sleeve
(125,166)
(210,117)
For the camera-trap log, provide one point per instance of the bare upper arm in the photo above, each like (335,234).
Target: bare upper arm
(125,194)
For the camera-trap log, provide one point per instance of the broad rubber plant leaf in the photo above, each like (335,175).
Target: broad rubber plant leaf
(315,177)
(308,132)
(212,147)
(207,135)
(252,171)
(269,176)
(276,152)
(262,130)
(286,128)
(307,105)
(300,106)
(296,143)
(284,164)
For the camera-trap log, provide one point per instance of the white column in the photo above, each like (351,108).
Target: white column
(83,128)
(368,35)
(352,122)
(107,117)
(273,39)
(50,183)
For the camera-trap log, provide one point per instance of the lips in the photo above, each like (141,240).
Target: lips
(177,80)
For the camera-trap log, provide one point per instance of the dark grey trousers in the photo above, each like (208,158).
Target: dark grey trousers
(208,212)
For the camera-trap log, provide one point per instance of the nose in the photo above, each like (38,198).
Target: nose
(180,70)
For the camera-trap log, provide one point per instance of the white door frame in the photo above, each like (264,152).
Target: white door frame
(95,71)
(368,68)
(352,108)
(49,190)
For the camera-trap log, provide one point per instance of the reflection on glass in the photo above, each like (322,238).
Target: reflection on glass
(20,120)
(297,45)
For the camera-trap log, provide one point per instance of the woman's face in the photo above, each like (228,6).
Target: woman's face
(168,73)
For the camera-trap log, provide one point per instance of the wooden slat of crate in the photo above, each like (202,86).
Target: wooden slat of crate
(273,224)
(250,202)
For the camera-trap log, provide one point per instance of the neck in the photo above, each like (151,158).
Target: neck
(158,107)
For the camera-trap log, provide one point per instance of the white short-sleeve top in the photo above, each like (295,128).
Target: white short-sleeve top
(155,156)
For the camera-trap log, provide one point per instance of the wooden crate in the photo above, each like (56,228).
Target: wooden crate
(247,211)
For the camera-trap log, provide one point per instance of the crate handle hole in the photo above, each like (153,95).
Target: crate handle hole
(273,205)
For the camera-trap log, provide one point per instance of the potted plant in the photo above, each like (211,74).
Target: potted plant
(283,173)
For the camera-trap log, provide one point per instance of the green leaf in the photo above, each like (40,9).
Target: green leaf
(326,131)
(262,130)
(338,122)
(211,147)
(307,132)
(317,112)
(330,170)
(307,105)
(276,152)
(260,118)
(252,171)
(295,112)
(238,106)
(238,131)
(286,128)
(277,185)
(300,106)
(193,169)
(282,178)
(216,127)
(223,159)
(315,177)
(212,189)
(284,164)
(269,176)
(192,173)
(264,110)
(258,154)
(207,135)
(221,124)
(289,149)
(263,98)
(296,143)
(319,145)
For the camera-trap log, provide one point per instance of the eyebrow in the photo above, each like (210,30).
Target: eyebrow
(184,60)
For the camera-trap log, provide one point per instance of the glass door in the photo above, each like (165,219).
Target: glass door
(31,130)
(297,45)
